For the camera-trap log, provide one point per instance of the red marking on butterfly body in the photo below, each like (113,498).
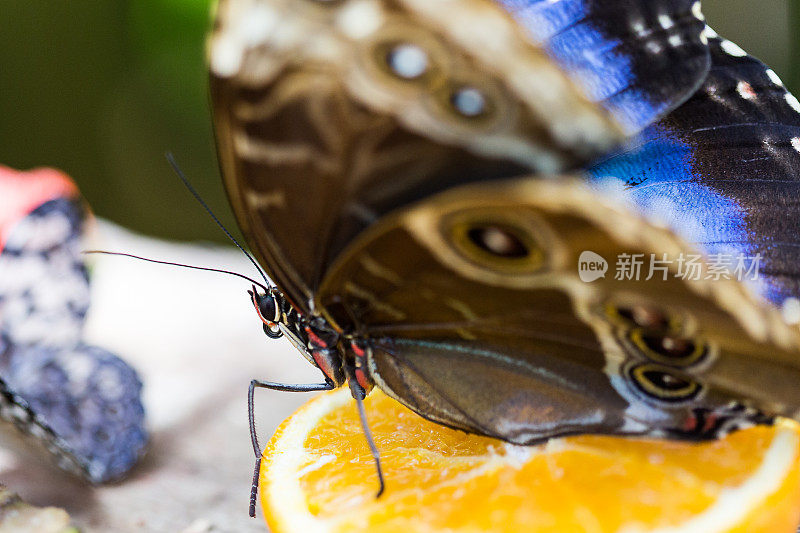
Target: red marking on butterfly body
(363,380)
(314,339)
(690,424)
(358,350)
(711,421)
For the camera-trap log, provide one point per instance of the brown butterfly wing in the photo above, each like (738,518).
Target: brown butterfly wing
(321,129)
(501,337)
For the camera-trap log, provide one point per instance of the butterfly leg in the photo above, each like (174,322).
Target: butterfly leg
(285,387)
(359,394)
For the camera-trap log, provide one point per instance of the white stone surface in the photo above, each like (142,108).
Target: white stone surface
(196,342)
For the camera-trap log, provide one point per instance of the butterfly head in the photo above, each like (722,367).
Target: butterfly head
(313,338)
(268,311)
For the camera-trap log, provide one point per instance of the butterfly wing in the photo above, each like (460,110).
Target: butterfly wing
(640,60)
(724,169)
(329,115)
(476,315)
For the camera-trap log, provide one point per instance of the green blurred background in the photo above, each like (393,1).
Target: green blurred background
(102,88)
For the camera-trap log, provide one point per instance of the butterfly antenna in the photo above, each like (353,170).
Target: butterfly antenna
(251,280)
(182,176)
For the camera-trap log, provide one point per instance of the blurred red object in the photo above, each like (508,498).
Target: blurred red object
(23,191)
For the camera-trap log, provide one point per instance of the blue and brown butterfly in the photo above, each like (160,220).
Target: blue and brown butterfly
(419,178)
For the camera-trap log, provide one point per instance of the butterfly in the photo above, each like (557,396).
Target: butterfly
(80,402)
(422,180)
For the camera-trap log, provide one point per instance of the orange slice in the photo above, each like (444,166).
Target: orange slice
(318,476)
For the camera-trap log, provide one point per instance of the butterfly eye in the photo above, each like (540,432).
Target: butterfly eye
(670,346)
(469,102)
(266,308)
(644,316)
(407,61)
(663,384)
(669,349)
(498,241)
